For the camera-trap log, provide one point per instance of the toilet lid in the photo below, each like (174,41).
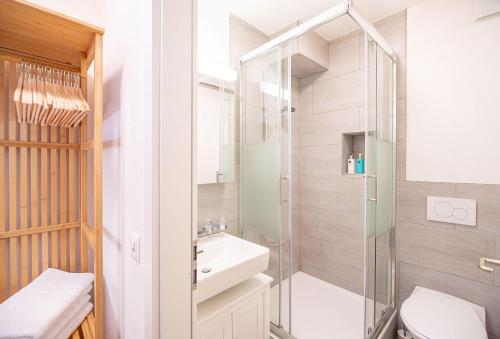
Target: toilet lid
(435,315)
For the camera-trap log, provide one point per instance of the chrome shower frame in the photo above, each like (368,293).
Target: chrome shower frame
(345,7)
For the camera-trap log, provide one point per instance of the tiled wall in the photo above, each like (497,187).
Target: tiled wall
(330,214)
(436,255)
(331,203)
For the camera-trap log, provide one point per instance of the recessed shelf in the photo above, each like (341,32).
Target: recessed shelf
(352,143)
(354,176)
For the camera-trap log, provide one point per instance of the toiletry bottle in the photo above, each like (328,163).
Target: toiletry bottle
(360,164)
(351,164)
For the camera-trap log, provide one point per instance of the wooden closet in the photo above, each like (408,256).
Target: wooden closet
(50,177)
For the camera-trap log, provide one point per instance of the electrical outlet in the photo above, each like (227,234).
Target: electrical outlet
(135,247)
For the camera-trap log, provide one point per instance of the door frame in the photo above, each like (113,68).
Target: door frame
(175,49)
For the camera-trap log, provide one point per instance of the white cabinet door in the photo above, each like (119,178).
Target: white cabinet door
(248,318)
(217,328)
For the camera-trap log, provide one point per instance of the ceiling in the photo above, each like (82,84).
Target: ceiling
(270,16)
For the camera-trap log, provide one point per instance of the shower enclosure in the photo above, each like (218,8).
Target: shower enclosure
(269,180)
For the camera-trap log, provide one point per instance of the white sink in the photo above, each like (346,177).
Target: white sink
(226,261)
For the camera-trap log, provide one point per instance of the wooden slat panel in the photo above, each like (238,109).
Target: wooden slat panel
(12,183)
(37,230)
(97,197)
(54,171)
(44,199)
(35,262)
(89,234)
(76,334)
(83,172)
(23,204)
(3,243)
(35,144)
(86,330)
(91,321)
(63,186)
(35,30)
(72,177)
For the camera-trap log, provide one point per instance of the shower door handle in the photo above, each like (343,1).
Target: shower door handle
(283,177)
(373,176)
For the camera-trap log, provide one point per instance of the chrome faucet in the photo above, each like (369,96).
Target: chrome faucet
(211,228)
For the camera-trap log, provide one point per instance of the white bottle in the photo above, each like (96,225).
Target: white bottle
(351,163)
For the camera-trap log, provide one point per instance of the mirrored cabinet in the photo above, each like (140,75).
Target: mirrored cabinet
(215,130)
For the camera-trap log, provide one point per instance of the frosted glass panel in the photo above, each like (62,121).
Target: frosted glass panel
(380,180)
(261,210)
(265,168)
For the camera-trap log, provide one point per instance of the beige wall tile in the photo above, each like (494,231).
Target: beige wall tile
(345,55)
(393,29)
(243,38)
(488,206)
(412,201)
(446,250)
(401,78)
(315,192)
(323,160)
(306,98)
(497,268)
(341,92)
(326,128)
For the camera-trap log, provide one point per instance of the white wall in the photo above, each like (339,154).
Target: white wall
(127,196)
(213,33)
(128,160)
(453,81)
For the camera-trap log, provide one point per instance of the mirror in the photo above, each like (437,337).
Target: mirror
(215,130)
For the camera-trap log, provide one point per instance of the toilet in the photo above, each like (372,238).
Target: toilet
(429,314)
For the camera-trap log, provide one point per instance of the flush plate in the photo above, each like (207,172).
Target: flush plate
(452,210)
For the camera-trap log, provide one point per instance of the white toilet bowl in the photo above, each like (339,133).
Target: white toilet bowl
(430,314)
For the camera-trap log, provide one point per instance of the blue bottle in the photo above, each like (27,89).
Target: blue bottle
(360,164)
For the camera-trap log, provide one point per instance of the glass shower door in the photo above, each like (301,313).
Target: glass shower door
(265,169)
(380,186)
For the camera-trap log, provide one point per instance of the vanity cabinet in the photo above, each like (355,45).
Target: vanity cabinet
(241,312)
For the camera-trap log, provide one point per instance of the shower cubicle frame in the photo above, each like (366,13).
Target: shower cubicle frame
(345,7)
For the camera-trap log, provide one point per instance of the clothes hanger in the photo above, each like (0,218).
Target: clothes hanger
(41,93)
(57,101)
(48,96)
(37,96)
(63,101)
(26,95)
(17,93)
(74,101)
(81,103)
(85,103)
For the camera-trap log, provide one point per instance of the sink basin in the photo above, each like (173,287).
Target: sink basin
(226,261)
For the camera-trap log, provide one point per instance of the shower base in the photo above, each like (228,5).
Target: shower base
(320,310)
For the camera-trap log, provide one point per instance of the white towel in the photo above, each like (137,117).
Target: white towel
(37,308)
(73,324)
(68,317)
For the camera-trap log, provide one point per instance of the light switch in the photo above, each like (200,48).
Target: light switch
(452,210)
(135,247)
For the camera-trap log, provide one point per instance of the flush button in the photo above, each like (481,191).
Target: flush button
(452,210)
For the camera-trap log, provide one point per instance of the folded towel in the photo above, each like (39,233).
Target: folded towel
(37,308)
(77,320)
(68,317)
